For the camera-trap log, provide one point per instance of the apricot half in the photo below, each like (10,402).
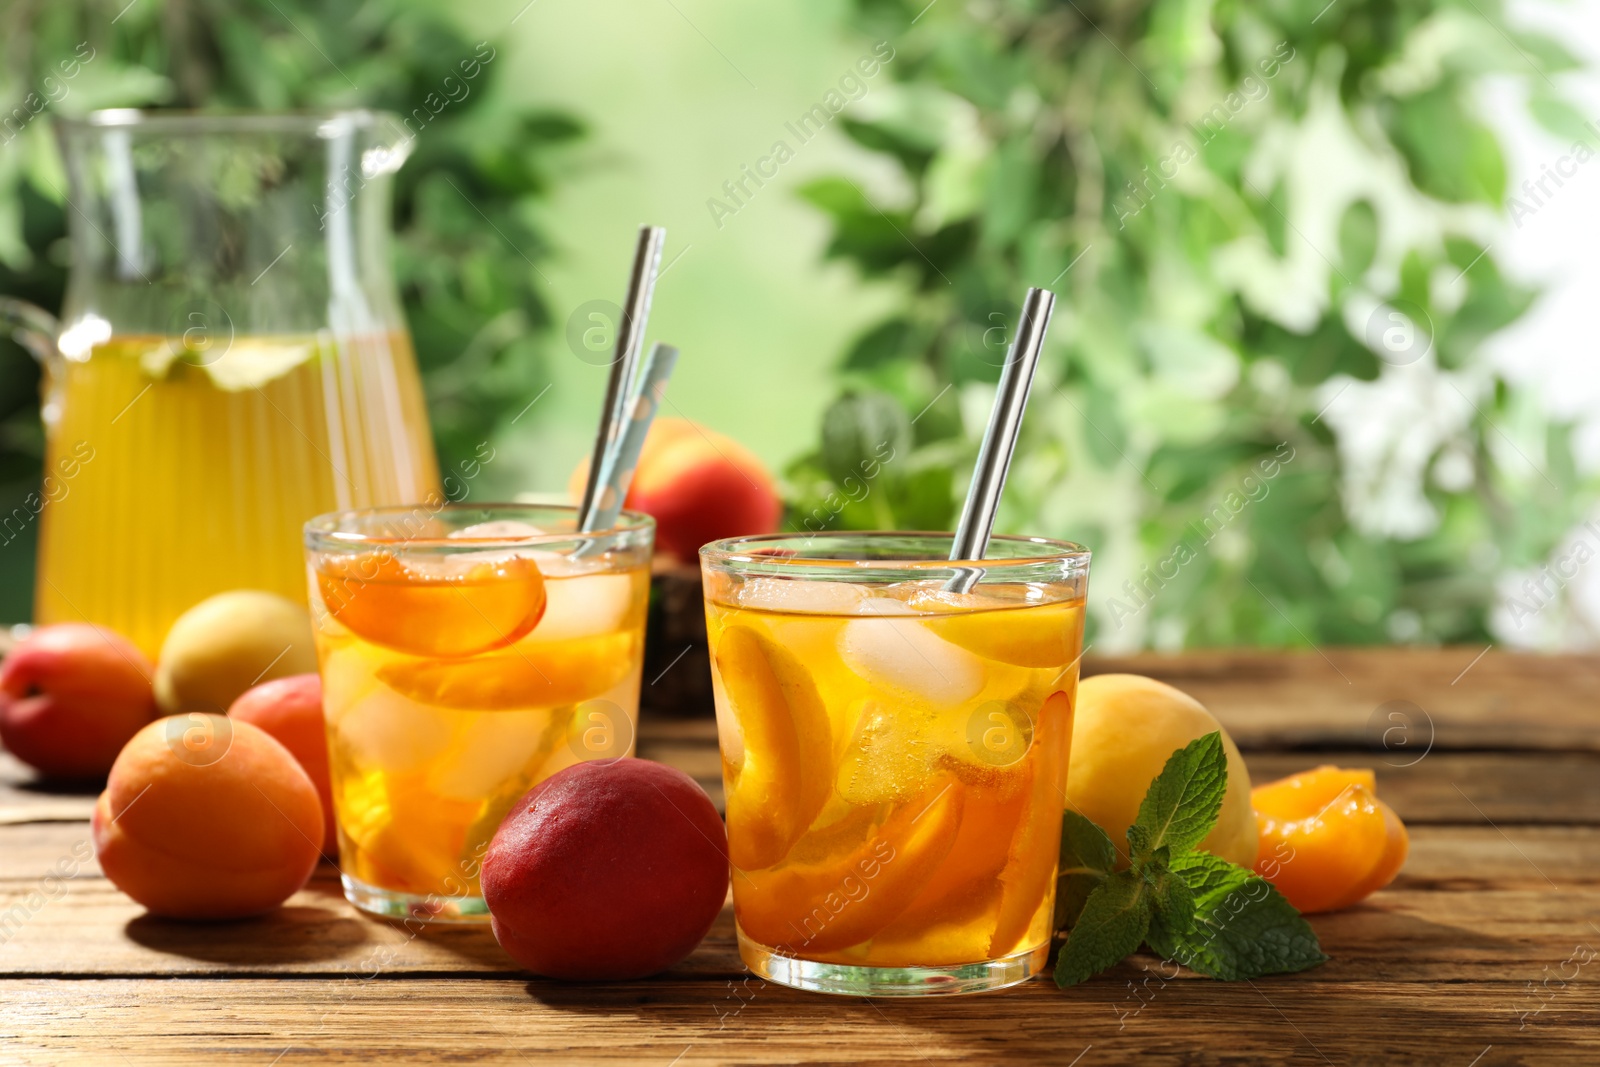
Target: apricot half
(611,869)
(1327,841)
(207,818)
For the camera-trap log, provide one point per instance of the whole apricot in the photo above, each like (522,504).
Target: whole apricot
(207,818)
(227,643)
(290,709)
(699,486)
(1125,728)
(606,870)
(70,697)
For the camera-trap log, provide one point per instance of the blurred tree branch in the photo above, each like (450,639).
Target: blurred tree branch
(1267,225)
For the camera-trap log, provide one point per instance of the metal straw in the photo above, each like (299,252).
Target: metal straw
(630,339)
(616,476)
(1000,439)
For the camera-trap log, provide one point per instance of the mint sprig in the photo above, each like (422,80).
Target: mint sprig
(1212,916)
(1184,801)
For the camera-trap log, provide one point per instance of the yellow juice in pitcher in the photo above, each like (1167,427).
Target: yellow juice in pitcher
(192,472)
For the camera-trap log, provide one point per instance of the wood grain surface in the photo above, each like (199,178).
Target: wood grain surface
(1484,952)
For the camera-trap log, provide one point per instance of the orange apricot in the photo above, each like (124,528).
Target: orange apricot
(290,709)
(471,608)
(1327,841)
(207,818)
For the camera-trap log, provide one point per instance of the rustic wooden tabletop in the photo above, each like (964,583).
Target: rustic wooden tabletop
(1484,952)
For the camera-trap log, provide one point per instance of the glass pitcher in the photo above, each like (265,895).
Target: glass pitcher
(230,360)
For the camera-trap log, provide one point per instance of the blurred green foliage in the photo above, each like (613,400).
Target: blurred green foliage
(1241,206)
(467,270)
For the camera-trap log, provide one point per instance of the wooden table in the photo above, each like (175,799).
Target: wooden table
(1485,951)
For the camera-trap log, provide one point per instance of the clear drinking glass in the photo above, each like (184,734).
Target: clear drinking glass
(467,653)
(230,360)
(895,754)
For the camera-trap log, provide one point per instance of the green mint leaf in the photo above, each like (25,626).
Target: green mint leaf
(1181,806)
(1172,908)
(1084,841)
(1209,877)
(1113,924)
(1087,856)
(1243,927)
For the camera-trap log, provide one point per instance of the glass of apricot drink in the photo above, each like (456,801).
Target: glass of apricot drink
(467,653)
(895,754)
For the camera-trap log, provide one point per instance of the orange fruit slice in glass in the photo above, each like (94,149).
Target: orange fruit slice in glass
(1029,876)
(1327,841)
(812,909)
(779,783)
(951,919)
(535,674)
(474,607)
(405,838)
(1045,635)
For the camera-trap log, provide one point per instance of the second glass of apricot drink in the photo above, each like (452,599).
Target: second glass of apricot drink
(894,753)
(467,653)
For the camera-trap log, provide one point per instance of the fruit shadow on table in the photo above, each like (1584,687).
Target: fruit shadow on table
(326,928)
(294,933)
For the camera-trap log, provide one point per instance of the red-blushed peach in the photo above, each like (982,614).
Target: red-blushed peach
(607,870)
(699,486)
(207,818)
(290,709)
(70,697)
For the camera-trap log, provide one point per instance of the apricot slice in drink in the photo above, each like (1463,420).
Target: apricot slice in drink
(474,607)
(1327,841)
(816,908)
(1046,635)
(952,919)
(780,781)
(405,838)
(1029,875)
(530,675)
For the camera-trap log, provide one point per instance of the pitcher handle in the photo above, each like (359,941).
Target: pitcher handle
(30,326)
